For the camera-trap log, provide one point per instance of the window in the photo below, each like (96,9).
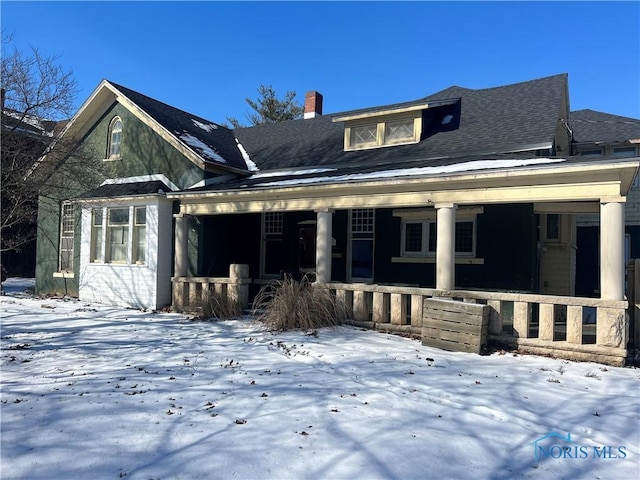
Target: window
(363,136)
(419,234)
(272,244)
(140,235)
(553,227)
(420,237)
(115,138)
(398,131)
(624,152)
(117,235)
(96,235)
(591,153)
(361,236)
(67,227)
(382,132)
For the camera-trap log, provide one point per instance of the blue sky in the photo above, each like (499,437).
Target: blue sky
(206,57)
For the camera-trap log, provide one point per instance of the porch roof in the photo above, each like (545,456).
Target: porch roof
(466,180)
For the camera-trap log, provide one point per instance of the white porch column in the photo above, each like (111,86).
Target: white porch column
(323,245)
(181,245)
(612,250)
(445,246)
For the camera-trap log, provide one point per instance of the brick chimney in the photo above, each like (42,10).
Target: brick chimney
(312,104)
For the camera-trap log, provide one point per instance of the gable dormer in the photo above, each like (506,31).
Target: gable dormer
(400,124)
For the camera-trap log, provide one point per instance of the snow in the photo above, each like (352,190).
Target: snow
(474,165)
(92,391)
(250,163)
(202,148)
(286,173)
(207,127)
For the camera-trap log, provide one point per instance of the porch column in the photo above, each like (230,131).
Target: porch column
(445,246)
(181,245)
(612,250)
(323,245)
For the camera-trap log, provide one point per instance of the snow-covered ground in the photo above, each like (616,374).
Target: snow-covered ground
(97,392)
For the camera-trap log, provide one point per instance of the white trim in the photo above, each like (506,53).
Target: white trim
(142,178)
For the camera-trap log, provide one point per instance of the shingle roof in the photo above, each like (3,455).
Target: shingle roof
(590,126)
(111,190)
(494,120)
(213,142)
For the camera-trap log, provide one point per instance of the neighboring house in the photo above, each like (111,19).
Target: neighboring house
(463,190)
(24,139)
(597,135)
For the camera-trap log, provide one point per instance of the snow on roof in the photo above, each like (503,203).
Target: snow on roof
(288,173)
(251,166)
(207,127)
(416,171)
(202,148)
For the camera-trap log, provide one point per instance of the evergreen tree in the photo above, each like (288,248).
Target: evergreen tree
(269,108)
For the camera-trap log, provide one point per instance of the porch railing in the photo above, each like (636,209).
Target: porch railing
(191,293)
(567,327)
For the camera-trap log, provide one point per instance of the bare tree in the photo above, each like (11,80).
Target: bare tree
(269,108)
(37,96)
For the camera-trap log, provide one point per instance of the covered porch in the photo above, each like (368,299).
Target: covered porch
(561,325)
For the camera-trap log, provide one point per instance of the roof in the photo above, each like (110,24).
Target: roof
(590,126)
(297,177)
(111,190)
(211,141)
(510,118)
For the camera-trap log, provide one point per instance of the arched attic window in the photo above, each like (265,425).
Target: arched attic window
(115,138)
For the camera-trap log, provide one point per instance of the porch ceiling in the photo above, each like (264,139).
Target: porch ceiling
(575,182)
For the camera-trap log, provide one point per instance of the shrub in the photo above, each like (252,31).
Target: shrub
(220,306)
(289,304)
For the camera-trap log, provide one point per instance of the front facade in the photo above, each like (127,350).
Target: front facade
(475,190)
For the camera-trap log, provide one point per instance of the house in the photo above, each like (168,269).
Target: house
(465,193)
(24,139)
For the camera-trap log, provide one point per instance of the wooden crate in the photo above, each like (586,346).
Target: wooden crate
(455,326)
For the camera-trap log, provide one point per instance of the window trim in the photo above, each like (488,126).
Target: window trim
(271,230)
(427,217)
(381,124)
(362,232)
(110,139)
(68,217)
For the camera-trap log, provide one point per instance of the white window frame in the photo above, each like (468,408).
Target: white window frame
(101,254)
(96,248)
(67,231)
(138,247)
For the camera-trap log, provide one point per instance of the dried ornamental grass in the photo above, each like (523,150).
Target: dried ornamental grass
(220,306)
(289,304)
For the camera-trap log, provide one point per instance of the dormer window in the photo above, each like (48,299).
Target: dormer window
(382,132)
(115,139)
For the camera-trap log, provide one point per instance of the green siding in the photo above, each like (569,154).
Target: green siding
(143,152)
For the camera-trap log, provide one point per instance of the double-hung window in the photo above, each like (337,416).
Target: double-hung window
(140,235)
(67,227)
(97,235)
(361,235)
(117,235)
(272,243)
(419,232)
